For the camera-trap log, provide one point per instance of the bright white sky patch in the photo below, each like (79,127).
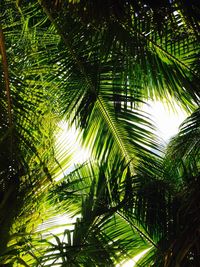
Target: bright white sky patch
(72,135)
(68,146)
(166,119)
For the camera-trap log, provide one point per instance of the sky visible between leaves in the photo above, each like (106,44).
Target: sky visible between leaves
(167,122)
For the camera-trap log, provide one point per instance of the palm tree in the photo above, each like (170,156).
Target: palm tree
(94,64)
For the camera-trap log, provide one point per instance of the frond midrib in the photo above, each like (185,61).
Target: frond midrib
(114,129)
(100,103)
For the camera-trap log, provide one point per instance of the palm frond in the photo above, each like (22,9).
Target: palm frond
(156,56)
(26,133)
(101,235)
(118,50)
(95,67)
(183,149)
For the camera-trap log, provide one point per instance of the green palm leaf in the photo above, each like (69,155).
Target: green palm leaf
(77,62)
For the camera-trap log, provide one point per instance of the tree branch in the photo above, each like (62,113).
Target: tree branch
(6,76)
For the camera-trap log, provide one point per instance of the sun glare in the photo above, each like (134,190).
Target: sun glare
(166,120)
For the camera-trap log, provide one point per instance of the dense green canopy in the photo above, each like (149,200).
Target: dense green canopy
(93,65)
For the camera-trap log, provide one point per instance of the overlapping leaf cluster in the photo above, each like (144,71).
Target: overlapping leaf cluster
(94,64)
